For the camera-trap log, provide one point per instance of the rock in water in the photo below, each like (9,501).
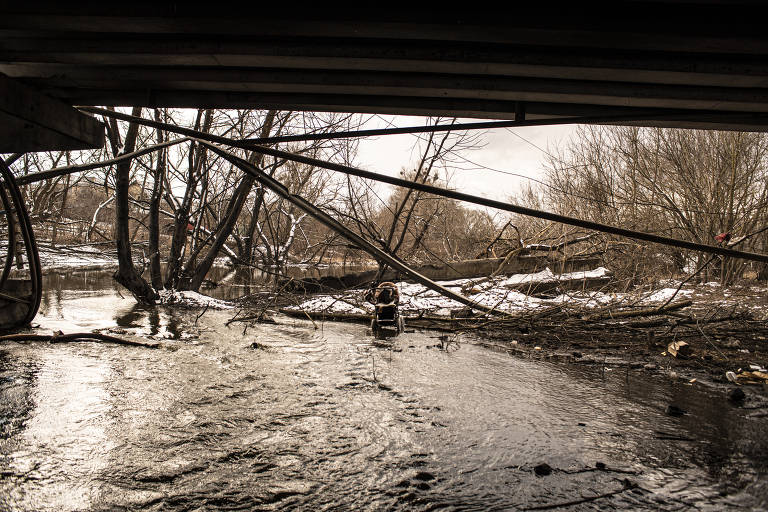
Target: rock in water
(673,410)
(424,476)
(736,395)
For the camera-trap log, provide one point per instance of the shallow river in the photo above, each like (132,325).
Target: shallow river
(327,419)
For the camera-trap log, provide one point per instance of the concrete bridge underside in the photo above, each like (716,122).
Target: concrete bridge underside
(662,63)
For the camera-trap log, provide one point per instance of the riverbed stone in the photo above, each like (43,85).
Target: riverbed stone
(674,410)
(736,395)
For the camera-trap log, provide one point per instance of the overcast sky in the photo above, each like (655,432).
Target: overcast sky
(512,150)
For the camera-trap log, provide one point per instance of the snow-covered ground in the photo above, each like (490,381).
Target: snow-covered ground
(89,257)
(192,300)
(496,293)
(83,258)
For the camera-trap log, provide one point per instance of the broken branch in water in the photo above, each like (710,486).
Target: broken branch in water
(627,486)
(59,337)
(201,314)
(258,317)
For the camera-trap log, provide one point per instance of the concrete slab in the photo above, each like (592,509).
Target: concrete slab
(31,121)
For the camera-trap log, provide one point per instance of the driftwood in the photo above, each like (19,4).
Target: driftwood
(627,486)
(522,264)
(60,337)
(612,315)
(679,321)
(559,246)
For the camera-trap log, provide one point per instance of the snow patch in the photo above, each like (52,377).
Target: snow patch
(336,304)
(84,258)
(586,274)
(191,300)
(664,294)
(545,276)
(493,293)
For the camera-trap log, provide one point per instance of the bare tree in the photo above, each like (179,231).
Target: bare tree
(126,273)
(683,183)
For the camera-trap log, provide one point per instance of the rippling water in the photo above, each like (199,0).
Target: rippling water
(329,419)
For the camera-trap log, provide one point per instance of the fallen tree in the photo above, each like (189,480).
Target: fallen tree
(523,264)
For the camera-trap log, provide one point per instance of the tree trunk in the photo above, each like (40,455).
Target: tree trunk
(126,273)
(180,232)
(233,212)
(247,254)
(234,208)
(154,214)
(63,207)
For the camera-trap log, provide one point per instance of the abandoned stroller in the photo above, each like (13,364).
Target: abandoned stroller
(386,316)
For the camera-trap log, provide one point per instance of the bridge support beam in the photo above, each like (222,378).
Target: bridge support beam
(31,121)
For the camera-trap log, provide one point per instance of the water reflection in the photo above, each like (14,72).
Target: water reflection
(61,449)
(680,456)
(221,282)
(158,322)
(93,300)
(225,283)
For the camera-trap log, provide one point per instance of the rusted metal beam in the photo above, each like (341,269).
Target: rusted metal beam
(70,169)
(691,96)
(654,26)
(421,106)
(510,207)
(519,122)
(418,62)
(116,50)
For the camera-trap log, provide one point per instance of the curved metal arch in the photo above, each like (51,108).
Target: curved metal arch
(21,307)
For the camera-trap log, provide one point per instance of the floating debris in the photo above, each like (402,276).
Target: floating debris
(736,395)
(674,410)
(750,377)
(543,469)
(680,349)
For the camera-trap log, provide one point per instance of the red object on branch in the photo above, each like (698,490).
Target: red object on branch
(723,237)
